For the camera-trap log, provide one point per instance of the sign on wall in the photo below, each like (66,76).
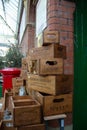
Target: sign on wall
(41,16)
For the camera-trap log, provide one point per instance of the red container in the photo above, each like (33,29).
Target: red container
(8,74)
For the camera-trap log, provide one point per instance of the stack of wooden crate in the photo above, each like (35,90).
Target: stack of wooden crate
(49,89)
(46,79)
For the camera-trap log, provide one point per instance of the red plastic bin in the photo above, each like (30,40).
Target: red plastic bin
(8,74)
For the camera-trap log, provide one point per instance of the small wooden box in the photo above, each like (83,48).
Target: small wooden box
(23,74)
(32,127)
(46,66)
(53,105)
(18,81)
(24,63)
(51,84)
(51,51)
(25,111)
(48,37)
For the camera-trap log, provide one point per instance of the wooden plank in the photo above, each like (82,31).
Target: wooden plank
(32,127)
(54,117)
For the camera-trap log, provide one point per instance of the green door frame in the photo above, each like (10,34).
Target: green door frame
(80,66)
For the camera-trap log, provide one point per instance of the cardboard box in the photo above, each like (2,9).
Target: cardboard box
(51,84)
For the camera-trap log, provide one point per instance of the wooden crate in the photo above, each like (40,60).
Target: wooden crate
(51,51)
(53,105)
(33,127)
(24,63)
(24,59)
(23,74)
(48,37)
(46,66)
(25,111)
(51,84)
(7,96)
(17,83)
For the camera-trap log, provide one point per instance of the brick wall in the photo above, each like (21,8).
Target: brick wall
(60,18)
(28,39)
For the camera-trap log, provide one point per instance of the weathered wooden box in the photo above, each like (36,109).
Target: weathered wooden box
(53,105)
(7,96)
(51,84)
(51,51)
(17,83)
(46,66)
(25,111)
(32,127)
(23,74)
(48,37)
(24,63)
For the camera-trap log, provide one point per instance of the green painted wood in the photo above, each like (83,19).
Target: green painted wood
(80,66)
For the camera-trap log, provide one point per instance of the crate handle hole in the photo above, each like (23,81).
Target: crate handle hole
(51,62)
(58,100)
